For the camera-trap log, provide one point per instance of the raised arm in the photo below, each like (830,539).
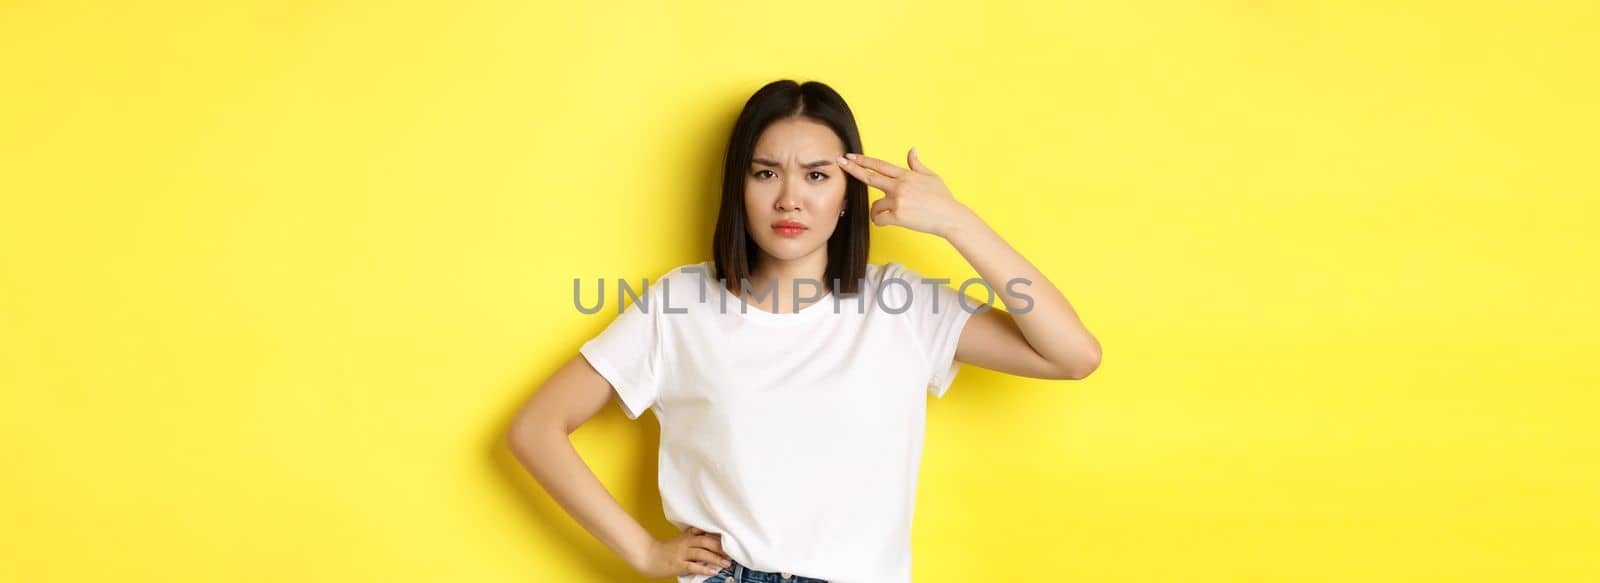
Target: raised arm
(1044,338)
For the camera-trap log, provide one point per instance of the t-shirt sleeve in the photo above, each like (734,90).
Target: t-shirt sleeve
(628,353)
(938,319)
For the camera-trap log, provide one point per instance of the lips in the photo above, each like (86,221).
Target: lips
(789,228)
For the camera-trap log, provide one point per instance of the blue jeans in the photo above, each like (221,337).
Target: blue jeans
(738,573)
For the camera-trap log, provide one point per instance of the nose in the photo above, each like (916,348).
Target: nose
(786,202)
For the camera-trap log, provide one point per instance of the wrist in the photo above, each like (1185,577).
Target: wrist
(964,223)
(637,552)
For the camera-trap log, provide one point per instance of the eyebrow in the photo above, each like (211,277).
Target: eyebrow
(816,164)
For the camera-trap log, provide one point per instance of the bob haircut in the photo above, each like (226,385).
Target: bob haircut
(733,250)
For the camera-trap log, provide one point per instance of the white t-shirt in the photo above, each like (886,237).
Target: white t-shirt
(798,436)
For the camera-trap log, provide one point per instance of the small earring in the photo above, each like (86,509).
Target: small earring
(841,213)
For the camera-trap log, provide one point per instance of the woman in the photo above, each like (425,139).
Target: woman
(791,397)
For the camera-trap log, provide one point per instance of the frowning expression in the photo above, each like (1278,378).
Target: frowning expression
(793,191)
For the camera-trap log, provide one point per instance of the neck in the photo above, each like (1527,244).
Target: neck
(810,269)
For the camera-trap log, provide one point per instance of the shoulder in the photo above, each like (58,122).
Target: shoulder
(896,282)
(889,270)
(689,271)
(682,273)
(876,271)
(685,277)
(899,281)
(895,270)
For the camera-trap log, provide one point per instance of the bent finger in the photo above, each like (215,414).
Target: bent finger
(887,203)
(707,557)
(691,567)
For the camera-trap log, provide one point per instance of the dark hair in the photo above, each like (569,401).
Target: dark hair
(733,250)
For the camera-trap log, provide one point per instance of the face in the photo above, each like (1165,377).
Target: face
(793,178)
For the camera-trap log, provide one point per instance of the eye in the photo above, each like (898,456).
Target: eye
(823,176)
(758,173)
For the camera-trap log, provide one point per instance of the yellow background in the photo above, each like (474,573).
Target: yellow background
(274,276)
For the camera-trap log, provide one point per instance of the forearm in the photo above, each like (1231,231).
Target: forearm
(548,455)
(1050,324)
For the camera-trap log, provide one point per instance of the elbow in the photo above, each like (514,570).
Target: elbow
(1081,368)
(530,432)
(519,436)
(513,437)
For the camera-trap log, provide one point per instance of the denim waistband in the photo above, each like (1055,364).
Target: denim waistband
(736,572)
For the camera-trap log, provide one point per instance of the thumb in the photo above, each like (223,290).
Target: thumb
(885,218)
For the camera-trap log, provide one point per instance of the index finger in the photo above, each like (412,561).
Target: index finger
(709,542)
(868,177)
(877,165)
